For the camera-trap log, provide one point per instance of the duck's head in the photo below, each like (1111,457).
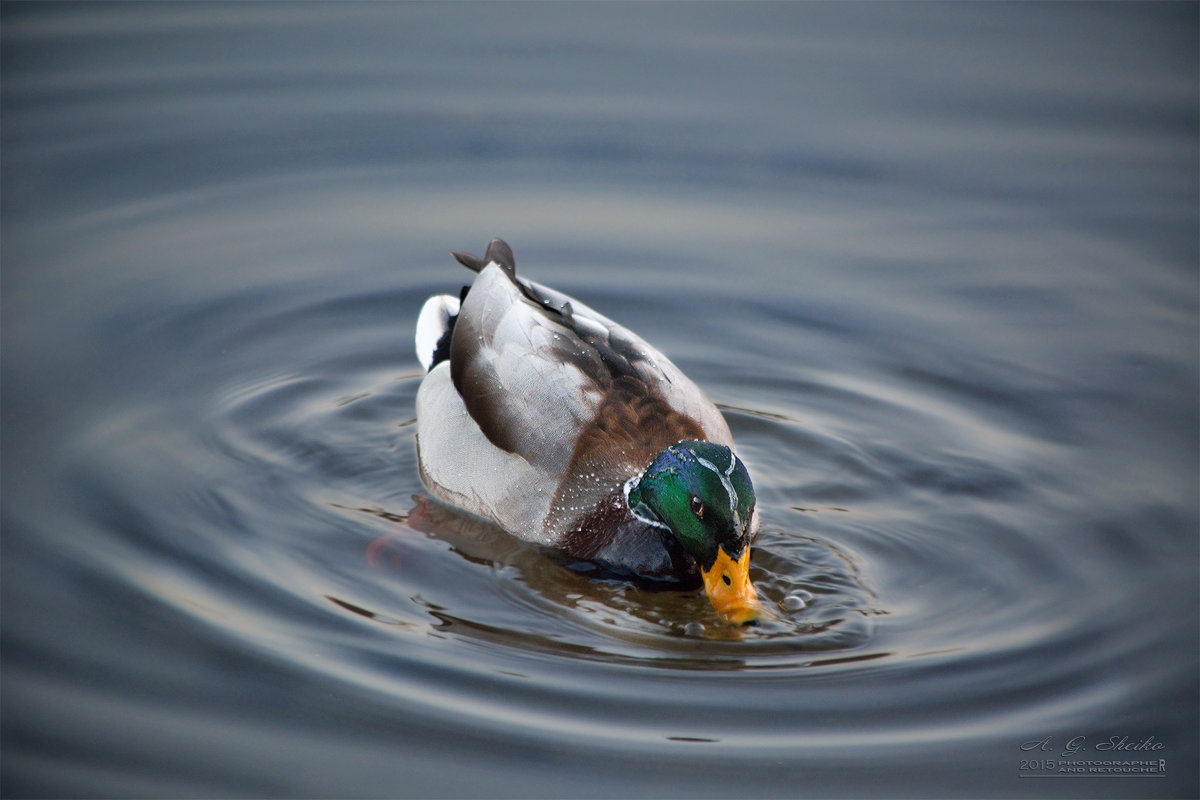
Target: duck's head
(702,493)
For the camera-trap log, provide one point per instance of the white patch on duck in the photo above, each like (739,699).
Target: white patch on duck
(432,325)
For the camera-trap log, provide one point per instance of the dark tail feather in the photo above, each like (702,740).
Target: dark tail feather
(498,251)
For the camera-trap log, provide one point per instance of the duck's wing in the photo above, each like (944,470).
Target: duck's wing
(522,377)
(550,379)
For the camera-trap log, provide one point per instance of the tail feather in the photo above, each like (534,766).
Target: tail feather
(498,252)
(434,326)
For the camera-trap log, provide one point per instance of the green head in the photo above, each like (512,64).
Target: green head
(702,493)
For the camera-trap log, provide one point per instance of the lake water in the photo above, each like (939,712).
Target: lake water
(938,265)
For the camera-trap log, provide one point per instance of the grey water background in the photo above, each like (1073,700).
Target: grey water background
(936,262)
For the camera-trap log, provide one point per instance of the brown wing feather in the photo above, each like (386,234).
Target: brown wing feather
(632,425)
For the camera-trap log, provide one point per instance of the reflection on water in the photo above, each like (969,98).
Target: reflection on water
(937,266)
(792,573)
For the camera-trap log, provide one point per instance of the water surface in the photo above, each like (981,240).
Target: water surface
(936,263)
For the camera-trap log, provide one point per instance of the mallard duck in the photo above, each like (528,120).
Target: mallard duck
(571,432)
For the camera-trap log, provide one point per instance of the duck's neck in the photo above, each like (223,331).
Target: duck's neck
(622,542)
(635,506)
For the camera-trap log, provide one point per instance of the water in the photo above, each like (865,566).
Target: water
(936,263)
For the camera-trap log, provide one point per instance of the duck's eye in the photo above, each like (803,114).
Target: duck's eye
(698,507)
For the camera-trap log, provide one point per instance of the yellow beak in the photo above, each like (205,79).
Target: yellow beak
(728,586)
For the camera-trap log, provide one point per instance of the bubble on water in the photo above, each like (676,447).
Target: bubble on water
(796,600)
(694,628)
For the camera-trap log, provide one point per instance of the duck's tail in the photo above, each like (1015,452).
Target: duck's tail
(438,315)
(434,326)
(498,251)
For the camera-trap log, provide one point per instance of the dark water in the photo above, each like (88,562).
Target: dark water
(937,263)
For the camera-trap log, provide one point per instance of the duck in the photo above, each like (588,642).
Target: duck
(574,434)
